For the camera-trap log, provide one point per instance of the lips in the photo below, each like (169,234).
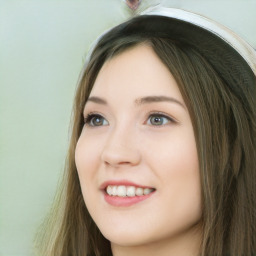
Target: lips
(125,193)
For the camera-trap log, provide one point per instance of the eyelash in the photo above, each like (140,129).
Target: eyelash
(88,119)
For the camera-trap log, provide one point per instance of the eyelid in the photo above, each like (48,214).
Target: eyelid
(89,113)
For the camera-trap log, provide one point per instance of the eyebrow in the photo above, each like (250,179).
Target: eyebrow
(140,101)
(97,100)
(152,99)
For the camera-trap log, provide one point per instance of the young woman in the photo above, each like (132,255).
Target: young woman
(162,155)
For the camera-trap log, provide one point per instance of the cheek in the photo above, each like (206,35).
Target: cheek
(176,164)
(81,154)
(86,154)
(175,153)
(181,167)
(85,159)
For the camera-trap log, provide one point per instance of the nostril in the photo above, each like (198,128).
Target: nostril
(116,164)
(123,163)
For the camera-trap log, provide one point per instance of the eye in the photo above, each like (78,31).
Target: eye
(159,119)
(95,120)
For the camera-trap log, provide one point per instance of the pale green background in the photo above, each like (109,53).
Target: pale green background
(42,48)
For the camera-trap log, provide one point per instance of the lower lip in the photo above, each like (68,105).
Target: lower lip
(125,201)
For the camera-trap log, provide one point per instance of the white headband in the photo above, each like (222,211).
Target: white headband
(230,55)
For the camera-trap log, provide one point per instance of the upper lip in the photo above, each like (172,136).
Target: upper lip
(104,185)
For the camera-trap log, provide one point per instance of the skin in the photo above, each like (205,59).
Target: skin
(126,144)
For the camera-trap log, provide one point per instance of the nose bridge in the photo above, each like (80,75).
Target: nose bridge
(121,147)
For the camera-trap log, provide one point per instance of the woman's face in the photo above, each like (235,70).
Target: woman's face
(136,157)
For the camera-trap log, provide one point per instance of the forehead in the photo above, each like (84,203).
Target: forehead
(137,71)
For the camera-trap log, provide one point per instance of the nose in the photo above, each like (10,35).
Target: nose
(121,149)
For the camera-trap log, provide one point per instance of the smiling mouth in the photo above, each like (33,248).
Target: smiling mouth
(124,193)
(127,191)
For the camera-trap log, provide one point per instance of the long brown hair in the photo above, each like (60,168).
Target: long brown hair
(224,121)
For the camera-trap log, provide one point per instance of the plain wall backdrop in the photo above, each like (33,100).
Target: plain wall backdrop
(42,48)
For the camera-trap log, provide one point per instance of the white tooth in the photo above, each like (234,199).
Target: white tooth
(109,190)
(121,191)
(130,191)
(147,191)
(114,190)
(139,191)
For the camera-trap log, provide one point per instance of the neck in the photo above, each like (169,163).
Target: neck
(182,245)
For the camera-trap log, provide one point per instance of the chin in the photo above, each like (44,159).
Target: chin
(128,234)
(127,239)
